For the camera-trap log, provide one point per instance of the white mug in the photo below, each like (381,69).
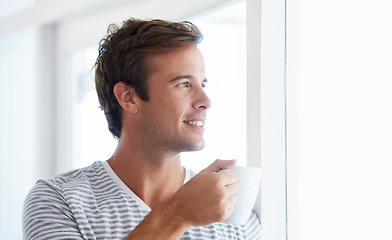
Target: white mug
(249,184)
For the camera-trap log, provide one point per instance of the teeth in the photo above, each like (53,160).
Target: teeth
(195,123)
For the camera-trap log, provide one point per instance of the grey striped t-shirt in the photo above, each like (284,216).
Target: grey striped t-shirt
(93,203)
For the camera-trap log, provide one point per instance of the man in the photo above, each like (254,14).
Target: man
(150,81)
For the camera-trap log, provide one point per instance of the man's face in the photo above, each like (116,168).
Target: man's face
(173,119)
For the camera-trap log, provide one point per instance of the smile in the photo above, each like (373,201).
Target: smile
(195,123)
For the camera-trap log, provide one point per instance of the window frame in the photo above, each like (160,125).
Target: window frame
(266,24)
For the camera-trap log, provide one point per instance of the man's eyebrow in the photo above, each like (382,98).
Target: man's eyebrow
(186,77)
(182,77)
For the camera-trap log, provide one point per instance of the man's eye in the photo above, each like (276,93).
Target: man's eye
(184,84)
(204,83)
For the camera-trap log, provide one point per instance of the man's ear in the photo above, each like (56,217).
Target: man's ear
(126,97)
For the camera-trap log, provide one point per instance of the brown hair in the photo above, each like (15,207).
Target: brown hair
(122,58)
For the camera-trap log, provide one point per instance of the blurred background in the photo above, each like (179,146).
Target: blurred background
(333,177)
(50,120)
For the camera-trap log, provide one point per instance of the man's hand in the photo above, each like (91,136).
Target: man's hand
(208,197)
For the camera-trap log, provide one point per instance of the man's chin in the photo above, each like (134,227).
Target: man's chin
(194,147)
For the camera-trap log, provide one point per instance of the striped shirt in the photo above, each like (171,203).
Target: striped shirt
(93,203)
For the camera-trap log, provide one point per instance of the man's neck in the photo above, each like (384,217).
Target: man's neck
(153,177)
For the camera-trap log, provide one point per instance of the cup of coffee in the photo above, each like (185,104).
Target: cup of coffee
(249,184)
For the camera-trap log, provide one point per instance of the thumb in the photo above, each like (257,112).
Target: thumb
(219,164)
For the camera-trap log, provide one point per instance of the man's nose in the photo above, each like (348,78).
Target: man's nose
(202,101)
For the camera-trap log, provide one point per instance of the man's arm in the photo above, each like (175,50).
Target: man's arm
(46,215)
(207,198)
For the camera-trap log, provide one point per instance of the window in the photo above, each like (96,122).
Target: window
(93,141)
(17,128)
(343,93)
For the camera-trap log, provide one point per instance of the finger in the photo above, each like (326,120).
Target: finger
(232,200)
(232,189)
(230,205)
(228,177)
(218,165)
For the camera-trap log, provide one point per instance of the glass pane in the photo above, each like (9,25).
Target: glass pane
(18,128)
(224,50)
(94,141)
(345,116)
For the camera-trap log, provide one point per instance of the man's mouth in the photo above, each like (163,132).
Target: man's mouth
(195,123)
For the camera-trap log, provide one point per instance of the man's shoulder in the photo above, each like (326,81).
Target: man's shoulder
(71,179)
(64,201)
(68,189)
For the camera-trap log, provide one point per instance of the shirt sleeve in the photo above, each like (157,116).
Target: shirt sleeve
(46,214)
(253,227)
